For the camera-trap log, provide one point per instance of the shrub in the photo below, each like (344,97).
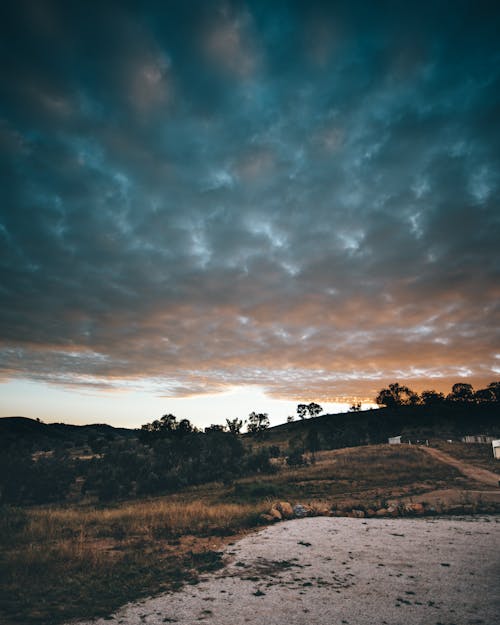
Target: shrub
(295,458)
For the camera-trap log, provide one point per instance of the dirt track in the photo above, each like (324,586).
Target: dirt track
(474,473)
(324,570)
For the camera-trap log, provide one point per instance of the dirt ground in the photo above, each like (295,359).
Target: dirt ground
(319,571)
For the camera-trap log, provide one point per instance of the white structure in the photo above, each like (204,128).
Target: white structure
(496,449)
(395,440)
(478,438)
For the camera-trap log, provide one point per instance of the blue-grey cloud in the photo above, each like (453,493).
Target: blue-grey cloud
(207,194)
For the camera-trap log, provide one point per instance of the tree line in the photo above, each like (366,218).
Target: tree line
(166,455)
(397,395)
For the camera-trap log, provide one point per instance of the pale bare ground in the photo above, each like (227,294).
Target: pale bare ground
(328,571)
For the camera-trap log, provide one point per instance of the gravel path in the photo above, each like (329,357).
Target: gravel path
(333,571)
(469,470)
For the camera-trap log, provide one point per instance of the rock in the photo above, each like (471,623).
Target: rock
(414,508)
(285,509)
(358,514)
(370,512)
(382,512)
(320,510)
(275,513)
(267,518)
(300,511)
(393,510)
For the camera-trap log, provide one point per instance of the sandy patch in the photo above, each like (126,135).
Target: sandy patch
(330,571)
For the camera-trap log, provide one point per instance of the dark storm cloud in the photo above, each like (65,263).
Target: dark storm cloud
(208,194)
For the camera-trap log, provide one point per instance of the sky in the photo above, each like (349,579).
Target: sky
(215,207)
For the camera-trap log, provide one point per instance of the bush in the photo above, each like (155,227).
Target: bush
(295,458)
(274,451)
(12,521)
(260,462)
(256,490)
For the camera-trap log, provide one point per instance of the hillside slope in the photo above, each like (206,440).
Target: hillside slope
(29,432)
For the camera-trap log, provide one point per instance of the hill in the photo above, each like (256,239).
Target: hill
(333,431)
(38,435)
(329,431)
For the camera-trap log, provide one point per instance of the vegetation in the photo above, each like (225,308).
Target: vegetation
(478,454)
(63,561)
(60,563)
(167,456)
(313,409)
(396,395)
(91,517)
(258,422)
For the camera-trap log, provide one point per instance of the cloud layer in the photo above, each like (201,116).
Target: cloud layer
(200,195)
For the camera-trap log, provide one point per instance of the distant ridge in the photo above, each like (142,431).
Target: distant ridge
(331,430)
(23,430)
(376,425)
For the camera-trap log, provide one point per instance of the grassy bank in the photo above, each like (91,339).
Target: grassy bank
(59,563)
(62,562)
(361,473)
(478,454)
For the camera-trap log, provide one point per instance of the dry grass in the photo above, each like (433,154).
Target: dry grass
(61,562)
(478,454)
(57,563)
(144,519)
(359,471)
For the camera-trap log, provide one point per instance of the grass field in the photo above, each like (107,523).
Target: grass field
(62,562)
(478,454)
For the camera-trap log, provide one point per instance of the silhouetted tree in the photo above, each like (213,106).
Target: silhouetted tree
(396,395)
(314,409)
(290,418)
(160,427)
(483,395)
(432,398)
(258,422)
(461,392)
(234,426)
(302,410)
(184,427)
(489,394)
(215,428)
(494,387)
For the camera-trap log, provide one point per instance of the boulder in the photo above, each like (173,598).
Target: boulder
(320,510)
(285,509)
(267,518)
(393,510)
(414,508)
(300,511)
(275,513)
(358,514)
